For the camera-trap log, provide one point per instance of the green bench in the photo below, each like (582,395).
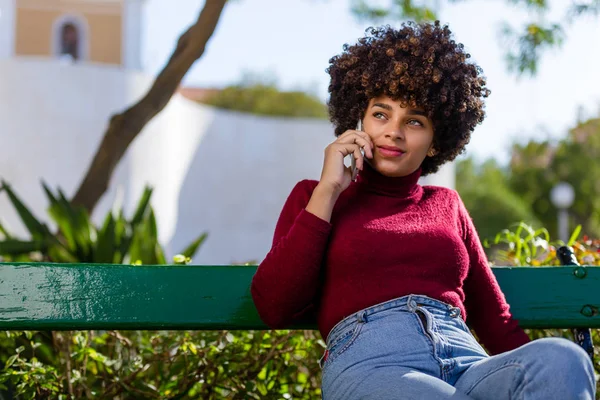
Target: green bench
(44,296)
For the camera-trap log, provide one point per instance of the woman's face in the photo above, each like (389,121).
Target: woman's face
(402,136)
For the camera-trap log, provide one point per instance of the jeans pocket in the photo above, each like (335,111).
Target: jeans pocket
(341,342)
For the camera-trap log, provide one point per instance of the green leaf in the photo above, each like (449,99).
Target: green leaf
(71,223)
(135,240)
(366,12)
(49,193)
(15,247)
(544,232)
(574,235)
(4,232)
(159,254)
(136,249)
(142,207)
(79,224)
(57,213)
(262,388)
(107,243)
(152,229)
(85,233)
(532,4)
(11,360)
(302,378)
(60,254)
(35,227)
(123,237)
(191,250)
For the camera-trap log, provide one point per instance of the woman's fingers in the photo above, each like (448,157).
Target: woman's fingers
(358,157)
(353,150)
(360,138)
(346,148)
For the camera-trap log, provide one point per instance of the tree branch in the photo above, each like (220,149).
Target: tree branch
(124,127)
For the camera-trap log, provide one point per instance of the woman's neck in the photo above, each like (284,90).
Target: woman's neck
(372,180)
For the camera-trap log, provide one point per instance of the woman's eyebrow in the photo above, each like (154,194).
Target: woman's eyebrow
(383,105)
(411,111)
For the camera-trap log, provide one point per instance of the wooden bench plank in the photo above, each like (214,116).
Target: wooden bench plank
(552,297)
(84,297)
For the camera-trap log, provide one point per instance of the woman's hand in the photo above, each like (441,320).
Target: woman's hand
(336,177)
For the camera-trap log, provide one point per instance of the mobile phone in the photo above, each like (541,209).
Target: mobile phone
(359,127)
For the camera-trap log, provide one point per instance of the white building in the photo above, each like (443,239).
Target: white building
(67,65)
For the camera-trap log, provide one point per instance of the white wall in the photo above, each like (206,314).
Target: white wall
(222,172)
(133,12)
(7,28)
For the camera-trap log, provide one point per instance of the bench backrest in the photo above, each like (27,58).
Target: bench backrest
(38,296)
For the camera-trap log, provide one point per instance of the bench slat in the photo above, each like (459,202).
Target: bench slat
(87,297)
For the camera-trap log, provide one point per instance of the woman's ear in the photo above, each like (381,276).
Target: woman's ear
(432,152)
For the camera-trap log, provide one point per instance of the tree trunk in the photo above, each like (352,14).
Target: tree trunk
(124,127)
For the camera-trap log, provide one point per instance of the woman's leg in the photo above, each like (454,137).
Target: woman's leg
(549,368)
(384,353)
(395,383)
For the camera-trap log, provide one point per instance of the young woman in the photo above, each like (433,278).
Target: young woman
(392,269)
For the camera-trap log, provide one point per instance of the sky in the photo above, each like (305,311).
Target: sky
(292,41)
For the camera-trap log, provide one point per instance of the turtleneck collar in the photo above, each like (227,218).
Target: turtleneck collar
(371,180)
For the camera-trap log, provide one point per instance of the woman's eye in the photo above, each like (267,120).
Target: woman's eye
(379,115)
(415,122)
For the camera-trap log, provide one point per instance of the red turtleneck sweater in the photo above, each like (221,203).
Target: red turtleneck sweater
(388,237)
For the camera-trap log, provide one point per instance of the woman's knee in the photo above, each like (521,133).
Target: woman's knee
(559,356)
(560,352)
(563,368)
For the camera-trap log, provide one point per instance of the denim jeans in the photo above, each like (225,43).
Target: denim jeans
(416,347)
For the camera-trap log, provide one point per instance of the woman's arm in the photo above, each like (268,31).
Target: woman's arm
(286,283)
(487,310)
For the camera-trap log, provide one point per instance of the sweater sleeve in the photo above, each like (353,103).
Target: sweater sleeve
(488,312)
(287,281)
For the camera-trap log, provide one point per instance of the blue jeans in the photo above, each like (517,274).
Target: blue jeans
(415,347)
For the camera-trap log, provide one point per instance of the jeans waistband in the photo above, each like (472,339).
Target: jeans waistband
(409,302)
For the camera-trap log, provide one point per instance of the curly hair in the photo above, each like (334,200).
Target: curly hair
(419,65)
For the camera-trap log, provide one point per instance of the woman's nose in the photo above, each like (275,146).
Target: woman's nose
(395,134)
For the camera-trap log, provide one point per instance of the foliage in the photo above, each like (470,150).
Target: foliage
(524,47)
(525,246)
(532,247)
(140,364)
(267,99)
(165,365)
(537,166)
(119,240)
(205,364)
(491,203)
(496,196)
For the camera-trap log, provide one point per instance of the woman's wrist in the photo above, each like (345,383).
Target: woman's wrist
(322,201)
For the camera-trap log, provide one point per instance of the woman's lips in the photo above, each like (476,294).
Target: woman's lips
(389,151)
